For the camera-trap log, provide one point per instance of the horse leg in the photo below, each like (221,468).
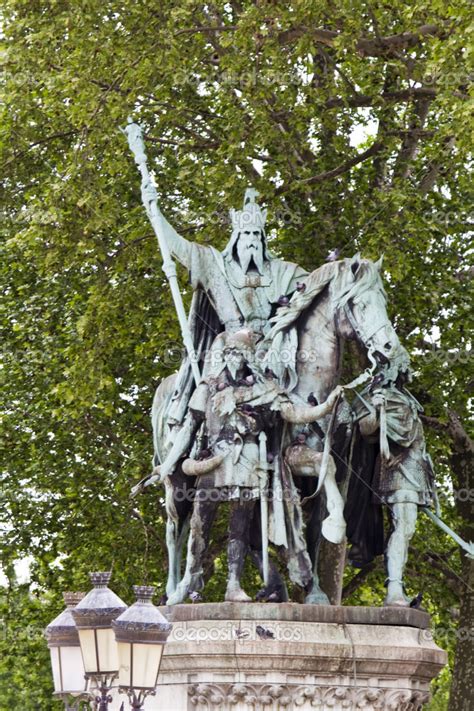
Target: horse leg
(404,522)
(315,595)
(183,533)
(172,525)
(304,461)
(275,590)
(202,519)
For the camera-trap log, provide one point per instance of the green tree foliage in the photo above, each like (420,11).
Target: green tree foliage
(351,118)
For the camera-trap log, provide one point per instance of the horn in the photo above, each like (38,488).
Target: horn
(191,467)
(379,263)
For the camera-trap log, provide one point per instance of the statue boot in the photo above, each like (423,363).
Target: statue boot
(396,594)
(404,522)
(236,551)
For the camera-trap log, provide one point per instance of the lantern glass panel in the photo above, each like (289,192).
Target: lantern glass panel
(89,651)
(99,650)
(68,669)
(139,664)
(107,650)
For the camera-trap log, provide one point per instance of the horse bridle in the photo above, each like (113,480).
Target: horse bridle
(364,338)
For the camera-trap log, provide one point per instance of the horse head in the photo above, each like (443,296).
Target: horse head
(359,303)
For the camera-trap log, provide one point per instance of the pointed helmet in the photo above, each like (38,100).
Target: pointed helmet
(248,225)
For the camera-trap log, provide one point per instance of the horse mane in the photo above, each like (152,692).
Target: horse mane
(367,277)
(315,284)
(347,278)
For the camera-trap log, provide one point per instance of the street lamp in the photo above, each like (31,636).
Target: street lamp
(66,658)
(141,632)
(93,617)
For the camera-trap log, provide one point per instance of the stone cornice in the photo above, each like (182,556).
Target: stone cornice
(293,612)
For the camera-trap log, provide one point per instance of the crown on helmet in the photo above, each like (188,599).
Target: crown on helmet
(243,339)
(251,216)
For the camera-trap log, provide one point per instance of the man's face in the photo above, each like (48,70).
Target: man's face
(250,249)
(235,359)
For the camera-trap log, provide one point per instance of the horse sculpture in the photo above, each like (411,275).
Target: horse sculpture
(340,301)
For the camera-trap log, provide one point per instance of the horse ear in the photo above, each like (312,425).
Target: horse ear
(355,263)
(234,218)
(379,263)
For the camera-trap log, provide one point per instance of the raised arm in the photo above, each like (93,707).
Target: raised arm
(179,247)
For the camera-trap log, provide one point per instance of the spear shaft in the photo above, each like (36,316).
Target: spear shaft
(134,134)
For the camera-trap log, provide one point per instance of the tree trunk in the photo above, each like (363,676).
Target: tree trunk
(332,559)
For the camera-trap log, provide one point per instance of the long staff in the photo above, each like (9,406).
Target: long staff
(134,134)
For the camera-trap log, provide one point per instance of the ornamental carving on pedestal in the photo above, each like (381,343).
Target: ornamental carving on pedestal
(318,697)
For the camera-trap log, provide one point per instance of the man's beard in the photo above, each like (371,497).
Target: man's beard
(250,256)
(234,367)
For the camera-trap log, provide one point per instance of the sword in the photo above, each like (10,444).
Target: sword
(134,134)
(467,547)
(262,446)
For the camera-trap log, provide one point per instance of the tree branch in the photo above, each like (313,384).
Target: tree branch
(429,179)
(409,148)
(366,46)
(359,578)
(387,96)
(328,174)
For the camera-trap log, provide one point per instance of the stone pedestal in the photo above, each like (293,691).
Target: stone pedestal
(252,657)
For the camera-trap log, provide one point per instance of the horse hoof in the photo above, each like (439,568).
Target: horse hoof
(334,529)
(237,595)
(316,597)
(177,597)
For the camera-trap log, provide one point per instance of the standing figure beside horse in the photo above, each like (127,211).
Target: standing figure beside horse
(403,480)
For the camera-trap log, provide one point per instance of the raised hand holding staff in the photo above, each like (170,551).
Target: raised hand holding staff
(149,196)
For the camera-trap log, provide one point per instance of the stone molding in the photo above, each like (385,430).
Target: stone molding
(295,612)
(319,697)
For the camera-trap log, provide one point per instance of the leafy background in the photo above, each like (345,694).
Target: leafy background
(353,119)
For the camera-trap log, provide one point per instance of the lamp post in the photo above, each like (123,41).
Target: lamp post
(93,617)
(97,639)
(141,633)
(66,658)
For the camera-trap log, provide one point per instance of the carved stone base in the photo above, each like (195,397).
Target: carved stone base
(269,657)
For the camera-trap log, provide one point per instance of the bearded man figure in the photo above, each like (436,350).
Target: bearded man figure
(233,289)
